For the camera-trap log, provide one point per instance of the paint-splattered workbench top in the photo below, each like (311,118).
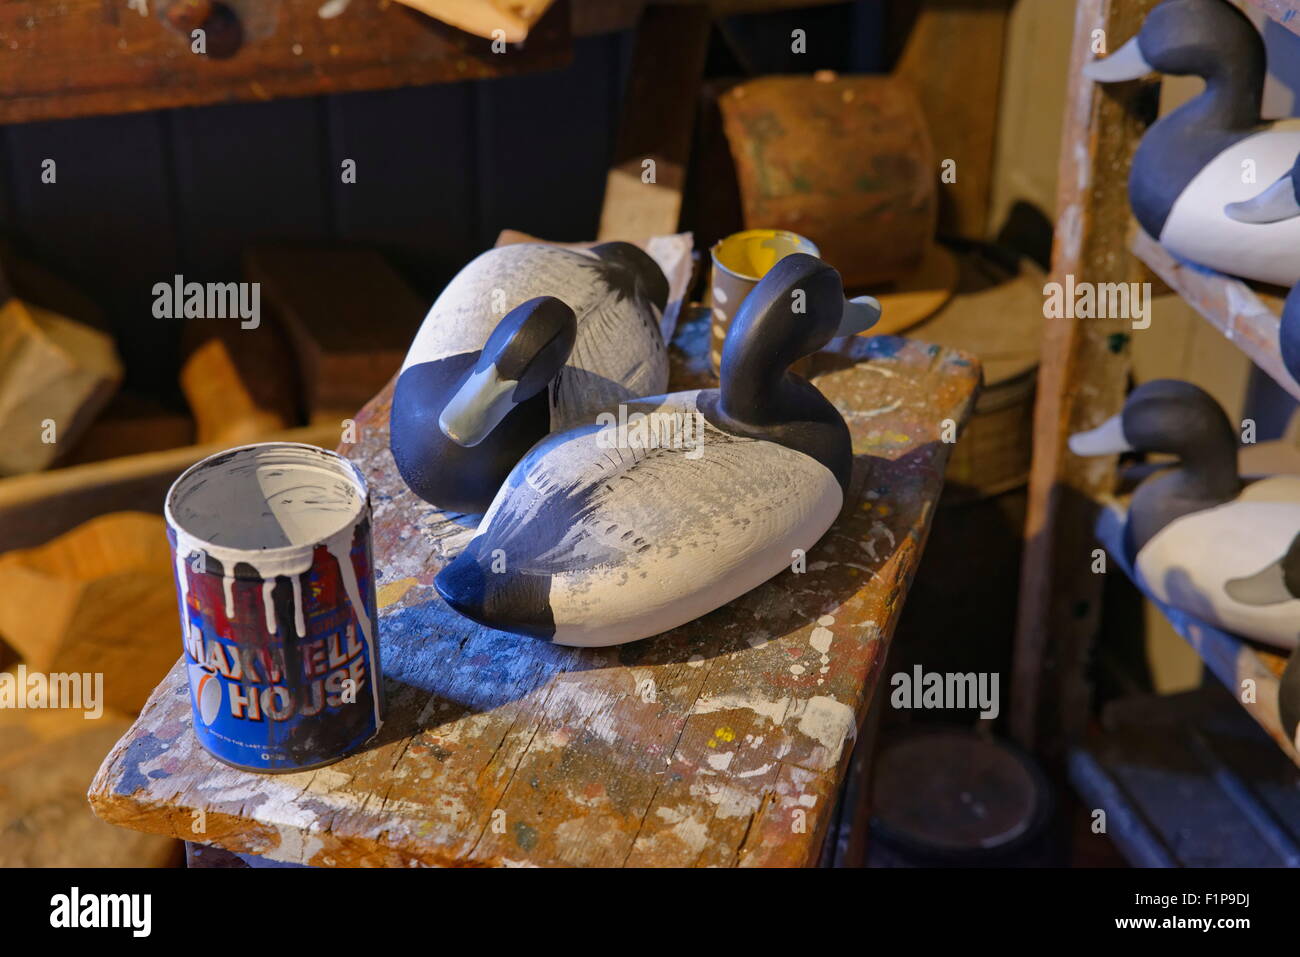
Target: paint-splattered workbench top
(722,742)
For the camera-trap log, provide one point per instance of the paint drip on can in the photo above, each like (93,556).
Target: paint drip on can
(276,590)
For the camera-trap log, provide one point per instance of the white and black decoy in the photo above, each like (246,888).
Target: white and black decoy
(618,530)
(1213,151)
(526,339)
(1197,526)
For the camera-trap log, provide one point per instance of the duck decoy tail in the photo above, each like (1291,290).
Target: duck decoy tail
(525,352)
(1280,201)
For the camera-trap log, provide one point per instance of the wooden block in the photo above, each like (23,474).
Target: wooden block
(843,160)
(241,384)
(129,425)
(663,89)
(97,599)
(47,760)
(484,18)
(36,508)
(52,370)
(349,316)
(953,59)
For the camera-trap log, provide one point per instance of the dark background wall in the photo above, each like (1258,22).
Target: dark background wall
(440,171)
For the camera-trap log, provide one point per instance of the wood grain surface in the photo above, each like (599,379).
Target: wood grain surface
(85,57)
(722,742)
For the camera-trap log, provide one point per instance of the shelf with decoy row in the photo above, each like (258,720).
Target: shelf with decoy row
(1245,312)
(1250,673)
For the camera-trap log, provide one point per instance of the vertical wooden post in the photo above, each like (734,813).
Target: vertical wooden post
(952,57)
(663,90)
(1082,380)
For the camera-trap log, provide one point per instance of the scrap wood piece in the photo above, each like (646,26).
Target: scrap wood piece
(97,600)
(129,425)
(35,508)
(508,20)
(349,316)
(722,741)
(643,190)
(44,773)
(240,383)
(55,376)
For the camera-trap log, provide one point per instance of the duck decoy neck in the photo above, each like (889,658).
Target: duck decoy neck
(793,312)
(1214,40)
(1178,418)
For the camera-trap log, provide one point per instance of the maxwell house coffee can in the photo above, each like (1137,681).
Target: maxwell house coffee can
(277,601)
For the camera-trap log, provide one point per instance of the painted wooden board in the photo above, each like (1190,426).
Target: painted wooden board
(1246,314)
(85,57)
(722,742)
(1082,381)
(1285,12)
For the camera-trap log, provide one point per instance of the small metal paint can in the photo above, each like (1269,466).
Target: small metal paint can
(275,583)
(739,262)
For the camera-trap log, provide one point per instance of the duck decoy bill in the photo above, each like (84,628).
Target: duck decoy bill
(1106,439)
(1126,63)
(522,355)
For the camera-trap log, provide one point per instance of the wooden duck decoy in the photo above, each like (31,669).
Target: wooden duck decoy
(603,535)
(526,339)
(1277,204)
(1198,526)
(1190,163)
(1278,583)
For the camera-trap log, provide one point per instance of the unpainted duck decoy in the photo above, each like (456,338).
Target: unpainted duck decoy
(526,339)
(600,537)
(1193,162)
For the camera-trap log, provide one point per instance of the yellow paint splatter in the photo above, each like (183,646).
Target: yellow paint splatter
(393,591)
(724,734)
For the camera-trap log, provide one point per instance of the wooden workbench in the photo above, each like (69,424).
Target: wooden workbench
(722,742)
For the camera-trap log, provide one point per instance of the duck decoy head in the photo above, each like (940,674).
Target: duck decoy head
(525,352)
(632,273)
(1166,416)
(795,310)
(1280,201)
(1184,37)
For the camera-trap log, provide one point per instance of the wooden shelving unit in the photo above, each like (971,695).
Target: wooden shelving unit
(1285,12)
(1232,660)
(1246,314)
(1085,371)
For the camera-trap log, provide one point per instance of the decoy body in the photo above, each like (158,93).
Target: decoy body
(602,535)
(1197,527)
(526,339)
(1213,151)
(1278,204)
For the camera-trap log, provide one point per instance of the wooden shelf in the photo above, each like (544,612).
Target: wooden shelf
(1231,659)
(1285,12)
(1246,315)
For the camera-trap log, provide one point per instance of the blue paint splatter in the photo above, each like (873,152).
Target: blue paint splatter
(140,750)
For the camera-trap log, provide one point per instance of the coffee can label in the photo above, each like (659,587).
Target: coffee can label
(280,643)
